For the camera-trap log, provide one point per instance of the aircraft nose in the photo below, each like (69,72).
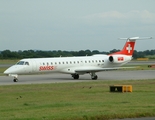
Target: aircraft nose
(15,69)
(7,71)
(10,70)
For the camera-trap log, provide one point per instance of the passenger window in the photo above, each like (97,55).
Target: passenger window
(51,63)
(102,60)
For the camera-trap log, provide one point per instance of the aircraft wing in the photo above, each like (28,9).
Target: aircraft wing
(98,69)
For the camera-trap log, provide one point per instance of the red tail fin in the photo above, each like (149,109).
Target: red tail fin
(128,48)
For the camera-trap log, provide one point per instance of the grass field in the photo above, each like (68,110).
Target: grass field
(8,61)
(78,101)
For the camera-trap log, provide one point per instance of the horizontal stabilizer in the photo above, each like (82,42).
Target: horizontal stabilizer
(135,38)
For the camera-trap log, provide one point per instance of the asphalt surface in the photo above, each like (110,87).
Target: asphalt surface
(59,78)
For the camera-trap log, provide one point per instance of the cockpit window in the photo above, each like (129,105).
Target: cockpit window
(26,63)
(22,63)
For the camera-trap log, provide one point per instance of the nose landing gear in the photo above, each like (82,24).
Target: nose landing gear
(15,79)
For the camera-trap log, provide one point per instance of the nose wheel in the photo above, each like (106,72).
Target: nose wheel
(15,80)
(15,77)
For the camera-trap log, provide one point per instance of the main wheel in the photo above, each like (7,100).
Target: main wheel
(94,77)
(15,80)
(75,76)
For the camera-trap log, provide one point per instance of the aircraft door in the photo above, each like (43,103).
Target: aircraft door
(30,66)
(33,66)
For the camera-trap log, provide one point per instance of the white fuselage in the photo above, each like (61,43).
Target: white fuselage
(67,65)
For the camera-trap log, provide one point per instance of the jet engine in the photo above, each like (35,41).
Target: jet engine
(119,58)
(111,58)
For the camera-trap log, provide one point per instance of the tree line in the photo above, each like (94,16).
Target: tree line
(7,54)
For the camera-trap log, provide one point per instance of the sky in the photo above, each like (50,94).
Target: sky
(75,25)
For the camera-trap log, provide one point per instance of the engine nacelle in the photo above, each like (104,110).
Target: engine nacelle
(119,58)
(111,59)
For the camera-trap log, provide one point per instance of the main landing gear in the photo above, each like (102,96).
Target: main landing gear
(93,76)
(75,76)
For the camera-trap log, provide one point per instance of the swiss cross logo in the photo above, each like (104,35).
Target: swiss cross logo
(120,58)
(129,48)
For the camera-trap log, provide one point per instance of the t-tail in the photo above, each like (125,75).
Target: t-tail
(128,48)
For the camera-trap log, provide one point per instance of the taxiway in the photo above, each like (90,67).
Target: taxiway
(60,78)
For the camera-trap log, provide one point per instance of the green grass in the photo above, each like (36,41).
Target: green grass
(150,57)
(78,101)
(138,67)
(2,69)
(8,61)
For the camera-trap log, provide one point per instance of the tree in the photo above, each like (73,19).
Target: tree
(81,53)
(114,50)
(95,52)
(7,54)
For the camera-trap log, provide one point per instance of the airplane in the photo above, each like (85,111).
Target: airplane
(76,65)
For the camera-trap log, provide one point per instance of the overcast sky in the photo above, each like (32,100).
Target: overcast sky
(75,25)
